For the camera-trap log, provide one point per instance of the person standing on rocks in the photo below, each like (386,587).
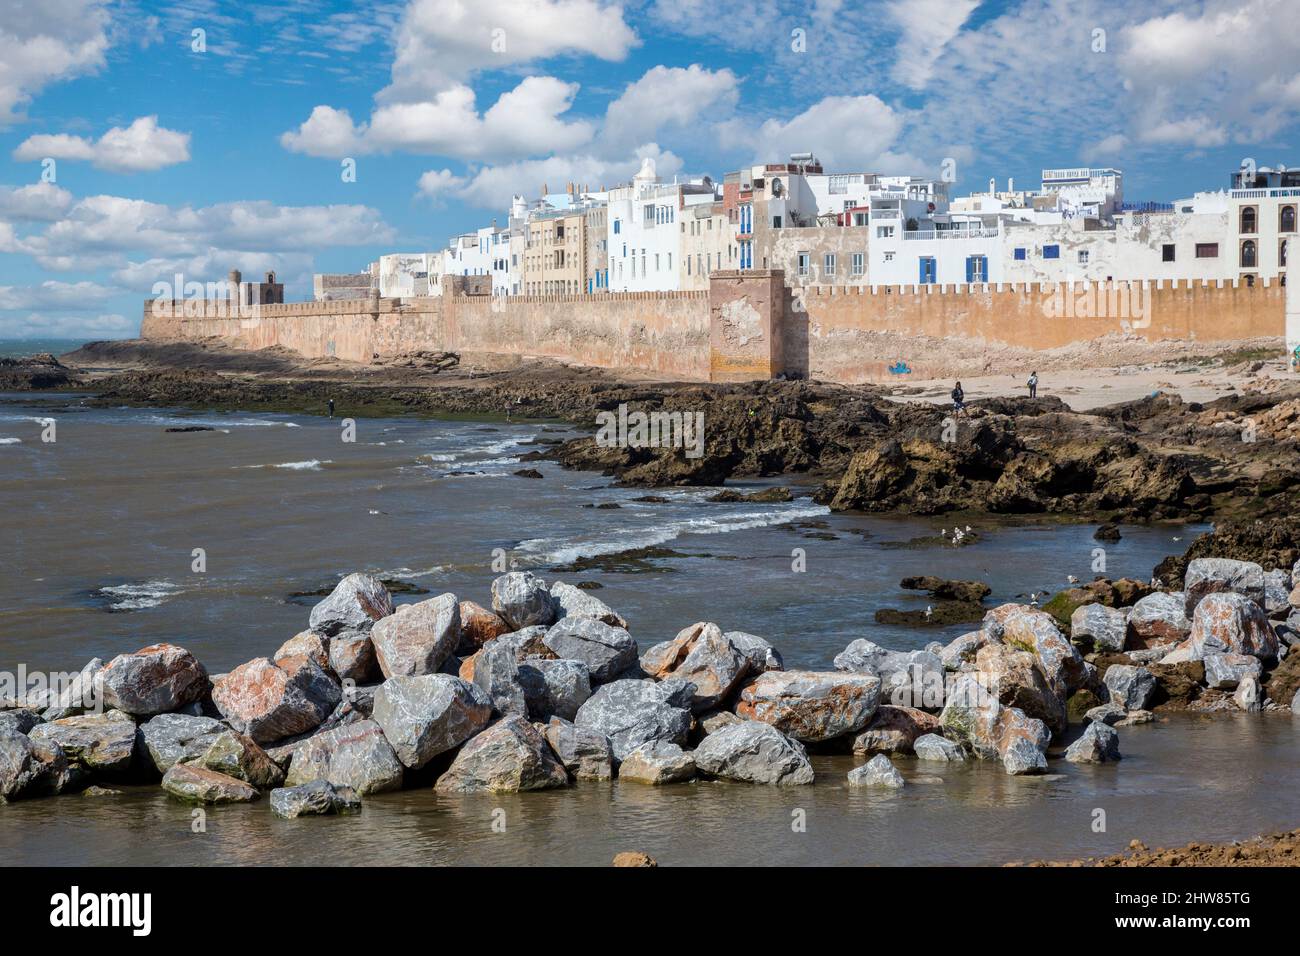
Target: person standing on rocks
(1033,384)
(331,407)
(958,400)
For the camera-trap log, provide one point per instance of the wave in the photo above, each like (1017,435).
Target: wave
(11,441)
(135,597)
(312,464)
(560,551)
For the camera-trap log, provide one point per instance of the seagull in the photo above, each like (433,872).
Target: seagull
(968,529)
(928,612)
(1176,538)
(943,533)
(1072,579)
(1033,599)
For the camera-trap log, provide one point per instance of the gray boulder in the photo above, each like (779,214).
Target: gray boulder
(585,753)
(811,705)
(522,599)
(83,693)
(762,656)
(352,656)
(962,650)
(936,748)
(18,721)
(170,739)
(554,688)
(657,762)
(754,752)
(569,601)
(633,712)
(509,757)
(1277,592)
(496,673)
(238,756)
(417,638)
(317,798)
(19,766)
(1217,575)
(1130,687)
(427,715)
(355,604)
(879,771)
(1022,742)
(702,655)
(153,680)
(1098,743)
(1226,671)
(607,651)
(1230,623)
(105,743)
(356,755)
(191,783)
(1103,628)
(1108,714)
(1249,697)
(909,678)
(1157,620)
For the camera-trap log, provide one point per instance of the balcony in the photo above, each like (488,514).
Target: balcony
(1289,192)
(978,232)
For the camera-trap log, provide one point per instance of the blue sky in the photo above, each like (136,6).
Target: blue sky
(169,158)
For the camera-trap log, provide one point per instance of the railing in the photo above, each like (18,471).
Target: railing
(980,232)
(1279,193)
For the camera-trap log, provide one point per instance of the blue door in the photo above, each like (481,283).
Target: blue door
(927,270)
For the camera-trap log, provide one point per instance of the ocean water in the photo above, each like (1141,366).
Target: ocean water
(97,557)
(18,348)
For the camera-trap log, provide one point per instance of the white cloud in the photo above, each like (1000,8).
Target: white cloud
(666,97)
(436,183)
(144,146)
(927,28)
(53,294)
(41,43)
(441,43)
(39,202)
(64,326)
(846,132)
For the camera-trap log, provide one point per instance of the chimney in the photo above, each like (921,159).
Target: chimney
(1011,185)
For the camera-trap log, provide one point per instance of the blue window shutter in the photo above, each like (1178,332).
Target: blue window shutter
(970,267)
(921,262)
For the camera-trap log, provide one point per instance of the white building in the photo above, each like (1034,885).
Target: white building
(644,230)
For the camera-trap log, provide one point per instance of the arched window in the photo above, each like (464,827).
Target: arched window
(1248,254)
(1281,254)
(1248,219)
(1286,219)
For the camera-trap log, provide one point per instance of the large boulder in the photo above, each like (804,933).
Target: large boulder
(105,743)
(607,651)
(657,762)
(508,757)
(352,656)
(893,730)
(1230,623)
(18,721)
(1099,627)
(1098,743)
(754,752)
(238,756)
(522,599)
(1217,575)
(554,688)
(762,656)
(427,715)
(1130,686)
(1248,696)
(938,749)
(194,784)
(478,625)
(170,739)
(269,702)
(585,753)
(417,638)
(632,712)
(1277,592)
(84,692)
(305,644)
(355,755)
(355,604)
(569,601)
(704,656)
(1037,632)
(495,671)
(153,680)
(1021,742)
(970,713)
(1016,678)
(1226,671)
(962,650)
(1158,620)
(21,768)
(317,798)
(908,678)
(879,771)
(811,705)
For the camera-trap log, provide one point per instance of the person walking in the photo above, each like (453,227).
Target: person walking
(958,400)
(1033,385)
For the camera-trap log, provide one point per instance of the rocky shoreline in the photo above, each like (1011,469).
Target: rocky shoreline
(547,688)
(1154,459)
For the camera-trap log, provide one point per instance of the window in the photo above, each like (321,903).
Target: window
(1248,254)
(804,261)
(1281,254)
(1083,257)
(1167,252)
(1286,219)
(1020,253)
(648,214)
(1051,252)
(776,222)
(828,264)
(977,269)
(1207,250)
(860,218)
(859,263)
(927,270)
(884,232)
(618,226)
(1249,215)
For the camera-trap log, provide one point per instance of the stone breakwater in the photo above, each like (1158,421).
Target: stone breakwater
(546,687)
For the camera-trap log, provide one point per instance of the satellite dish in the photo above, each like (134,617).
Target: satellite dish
(929,206)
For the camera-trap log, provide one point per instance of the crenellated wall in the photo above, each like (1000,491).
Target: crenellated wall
(748,324)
